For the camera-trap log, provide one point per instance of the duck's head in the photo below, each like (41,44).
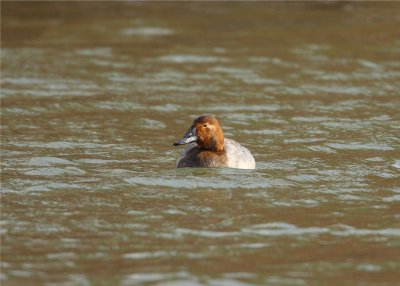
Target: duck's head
(206,132)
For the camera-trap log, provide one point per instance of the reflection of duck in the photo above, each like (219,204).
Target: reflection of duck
(212,150)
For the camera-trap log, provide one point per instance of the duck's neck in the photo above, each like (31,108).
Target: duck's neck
(217,146)
(219,141)
(213,145)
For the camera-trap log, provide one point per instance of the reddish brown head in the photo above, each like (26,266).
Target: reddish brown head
(206,132)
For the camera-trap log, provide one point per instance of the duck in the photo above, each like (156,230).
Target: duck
(209,148)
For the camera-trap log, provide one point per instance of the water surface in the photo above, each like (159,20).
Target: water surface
(94,95)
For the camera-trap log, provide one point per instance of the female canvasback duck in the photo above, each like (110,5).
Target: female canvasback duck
(212,149)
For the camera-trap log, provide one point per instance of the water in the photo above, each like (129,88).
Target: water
(94,95)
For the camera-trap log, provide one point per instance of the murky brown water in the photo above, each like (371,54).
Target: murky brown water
(94,94)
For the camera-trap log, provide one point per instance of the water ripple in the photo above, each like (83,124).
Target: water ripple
(192,59)
(207,182)
(147,31)
(286,229)
(360,146)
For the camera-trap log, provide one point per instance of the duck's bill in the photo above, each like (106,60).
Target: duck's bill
(189,137)
(186,141)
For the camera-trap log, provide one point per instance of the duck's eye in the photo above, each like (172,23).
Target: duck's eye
(205,125)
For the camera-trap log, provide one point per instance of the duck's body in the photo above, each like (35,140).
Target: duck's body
(233,155)
(211,149)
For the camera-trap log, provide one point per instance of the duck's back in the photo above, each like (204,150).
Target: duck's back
(238,156)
